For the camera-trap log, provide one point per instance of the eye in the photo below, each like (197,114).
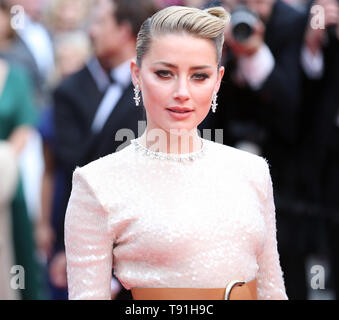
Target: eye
(200,76)
(165,74)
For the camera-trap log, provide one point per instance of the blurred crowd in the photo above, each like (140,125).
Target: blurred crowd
(65,91)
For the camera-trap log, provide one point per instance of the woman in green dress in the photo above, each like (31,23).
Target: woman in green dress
(18,116)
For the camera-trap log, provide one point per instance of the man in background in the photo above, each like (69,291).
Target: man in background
(92,105)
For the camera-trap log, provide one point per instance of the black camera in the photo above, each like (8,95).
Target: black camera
(243,21)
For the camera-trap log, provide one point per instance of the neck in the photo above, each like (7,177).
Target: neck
(159,140)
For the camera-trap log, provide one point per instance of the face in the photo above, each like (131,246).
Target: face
(178,71)
(70,59)
(69,15)
(106,34)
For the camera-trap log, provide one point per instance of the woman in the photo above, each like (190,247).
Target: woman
(17,118)
(173,210)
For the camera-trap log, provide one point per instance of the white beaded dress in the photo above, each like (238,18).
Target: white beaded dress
(197,220)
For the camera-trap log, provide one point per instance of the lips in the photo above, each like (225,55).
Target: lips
(180,109)
(180,113)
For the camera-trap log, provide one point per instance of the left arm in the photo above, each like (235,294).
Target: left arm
(270,276)
(88,242)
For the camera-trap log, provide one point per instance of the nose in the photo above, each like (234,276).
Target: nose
(181,91)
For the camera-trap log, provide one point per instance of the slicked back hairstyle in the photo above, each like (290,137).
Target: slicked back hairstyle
(208,23)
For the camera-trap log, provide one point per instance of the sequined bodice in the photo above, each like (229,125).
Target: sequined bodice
(163,223)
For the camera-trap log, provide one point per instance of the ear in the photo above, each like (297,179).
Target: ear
(221,72)
(135,73)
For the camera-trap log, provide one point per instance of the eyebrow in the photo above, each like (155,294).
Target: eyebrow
(170,65)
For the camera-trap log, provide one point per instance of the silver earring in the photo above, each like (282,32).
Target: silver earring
(137,95)
(214,102)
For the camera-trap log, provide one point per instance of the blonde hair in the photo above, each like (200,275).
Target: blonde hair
(207,24)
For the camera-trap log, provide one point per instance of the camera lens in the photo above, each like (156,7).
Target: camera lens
(242,31)
(243,21)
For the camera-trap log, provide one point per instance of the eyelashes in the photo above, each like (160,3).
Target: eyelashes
(201,76)
(165,74)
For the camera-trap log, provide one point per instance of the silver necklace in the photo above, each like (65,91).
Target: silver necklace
(169,156)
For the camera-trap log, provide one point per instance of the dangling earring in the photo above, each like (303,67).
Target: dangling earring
(214,102)
(137,95)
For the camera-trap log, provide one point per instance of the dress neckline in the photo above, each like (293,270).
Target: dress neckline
(191,156)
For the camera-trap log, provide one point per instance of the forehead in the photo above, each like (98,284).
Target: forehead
(181,49)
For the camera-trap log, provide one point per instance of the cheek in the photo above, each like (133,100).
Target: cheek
(202,96)
(155,93)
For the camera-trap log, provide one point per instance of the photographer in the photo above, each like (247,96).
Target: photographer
(259,106)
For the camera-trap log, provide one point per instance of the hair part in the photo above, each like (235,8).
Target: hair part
(207,24)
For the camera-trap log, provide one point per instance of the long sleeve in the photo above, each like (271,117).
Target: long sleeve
(88,244)
(270,277)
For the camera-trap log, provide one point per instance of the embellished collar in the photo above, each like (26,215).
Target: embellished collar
(191,156)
